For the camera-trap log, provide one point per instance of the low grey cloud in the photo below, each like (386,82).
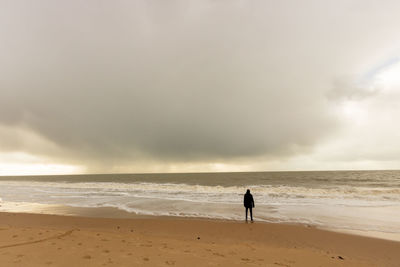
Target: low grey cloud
(352,89)
(179,81)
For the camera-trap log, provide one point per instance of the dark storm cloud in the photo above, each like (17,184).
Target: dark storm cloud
(173,81)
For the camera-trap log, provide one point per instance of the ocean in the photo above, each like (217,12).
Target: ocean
(362,202)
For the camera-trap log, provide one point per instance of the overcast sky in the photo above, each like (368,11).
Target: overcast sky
(177,86)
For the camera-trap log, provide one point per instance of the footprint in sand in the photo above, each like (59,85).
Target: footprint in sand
(87,257)
(106,251)
(20,255)
(281,264)
(170,262)
(48,262)
(14,236)
(146,259)
(218,254)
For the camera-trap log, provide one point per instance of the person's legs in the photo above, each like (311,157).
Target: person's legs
(251,214)
(246,212)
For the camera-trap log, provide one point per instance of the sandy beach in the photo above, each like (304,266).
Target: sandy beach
(140,133)
(54,240)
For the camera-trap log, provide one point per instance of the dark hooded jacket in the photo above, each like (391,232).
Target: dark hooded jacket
(248,201)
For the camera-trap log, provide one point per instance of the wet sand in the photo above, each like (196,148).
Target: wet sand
(54,240)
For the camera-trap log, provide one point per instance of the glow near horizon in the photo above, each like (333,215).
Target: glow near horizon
(19,163)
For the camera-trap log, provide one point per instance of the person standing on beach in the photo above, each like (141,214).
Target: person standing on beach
(248,203)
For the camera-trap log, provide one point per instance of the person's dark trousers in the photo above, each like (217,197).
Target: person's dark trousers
(251,213)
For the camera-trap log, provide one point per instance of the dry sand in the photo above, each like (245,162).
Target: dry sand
(53,240)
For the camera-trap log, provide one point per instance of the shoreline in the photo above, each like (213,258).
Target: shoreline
(64,240)
(113,212)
